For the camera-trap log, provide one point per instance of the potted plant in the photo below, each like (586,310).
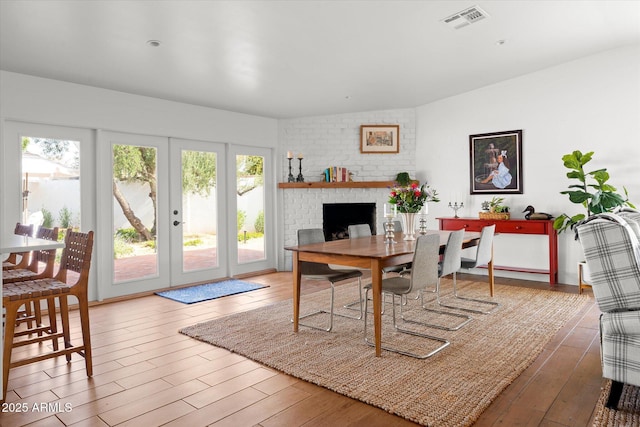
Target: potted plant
(496,209)
(592,191)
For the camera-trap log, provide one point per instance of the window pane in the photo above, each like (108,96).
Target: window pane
(134,212)
(250,202)
(199,210)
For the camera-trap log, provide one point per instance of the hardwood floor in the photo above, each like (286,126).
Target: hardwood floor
(147,374)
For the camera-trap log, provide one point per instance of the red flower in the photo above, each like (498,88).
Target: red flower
(394,194)
(414,185)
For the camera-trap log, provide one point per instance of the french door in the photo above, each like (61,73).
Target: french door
(197,220)
(180,211)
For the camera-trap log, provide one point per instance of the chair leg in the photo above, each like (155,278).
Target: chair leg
(86,333)
(330,312)
(444,343)
(614,394)
(64,318)
(455,295)
(10,324)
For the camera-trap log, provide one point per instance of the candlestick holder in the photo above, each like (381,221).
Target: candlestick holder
(455,206)
(300,177)
(422,228)
(389,228)
(291,178)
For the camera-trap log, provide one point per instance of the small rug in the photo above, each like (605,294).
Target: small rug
(449,389)
(628,412)
(210,291)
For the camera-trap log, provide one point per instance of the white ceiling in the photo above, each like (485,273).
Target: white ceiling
(302,58)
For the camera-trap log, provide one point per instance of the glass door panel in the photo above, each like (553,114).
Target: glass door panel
(198,234)
(135,212)
(250,207)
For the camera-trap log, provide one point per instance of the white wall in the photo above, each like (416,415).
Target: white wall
(335,141)
(592,104)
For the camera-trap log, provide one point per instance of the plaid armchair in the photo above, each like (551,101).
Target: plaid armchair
(612,253)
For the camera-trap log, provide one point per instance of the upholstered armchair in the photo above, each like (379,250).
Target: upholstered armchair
(612,253)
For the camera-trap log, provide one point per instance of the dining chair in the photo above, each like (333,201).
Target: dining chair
(19,260)
(319,271)
(76,257)
(484,253)
(451,261)
(424,272)
(31,312)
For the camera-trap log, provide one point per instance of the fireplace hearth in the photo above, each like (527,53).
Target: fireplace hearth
(337,217)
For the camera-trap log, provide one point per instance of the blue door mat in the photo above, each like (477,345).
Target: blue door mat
(210,291)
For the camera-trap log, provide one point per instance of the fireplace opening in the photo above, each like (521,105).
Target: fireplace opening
(337,217)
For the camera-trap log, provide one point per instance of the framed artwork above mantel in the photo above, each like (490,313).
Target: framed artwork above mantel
(379,139)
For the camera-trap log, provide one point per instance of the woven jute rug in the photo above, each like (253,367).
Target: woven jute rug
(450,389)
(627,413)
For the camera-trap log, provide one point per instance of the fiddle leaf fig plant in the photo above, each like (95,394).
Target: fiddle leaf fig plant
(592,191)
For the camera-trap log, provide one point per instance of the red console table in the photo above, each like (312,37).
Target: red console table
(513,226)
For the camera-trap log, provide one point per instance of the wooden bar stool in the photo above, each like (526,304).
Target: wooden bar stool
(76,257)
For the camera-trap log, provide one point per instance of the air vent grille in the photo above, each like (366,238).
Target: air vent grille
(466,17)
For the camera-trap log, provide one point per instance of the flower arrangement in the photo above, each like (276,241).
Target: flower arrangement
(410,198)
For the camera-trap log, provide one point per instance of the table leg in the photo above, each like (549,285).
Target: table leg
(296,291)
(376,287)
(491,276)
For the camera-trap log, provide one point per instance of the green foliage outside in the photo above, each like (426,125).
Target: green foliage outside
(242,217)
(128,234)
(65,217)
(259,222)
(591,191)
(121,247)
(193,242)
(249,235)
(47,218)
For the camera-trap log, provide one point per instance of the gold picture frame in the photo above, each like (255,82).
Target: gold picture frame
(379,139)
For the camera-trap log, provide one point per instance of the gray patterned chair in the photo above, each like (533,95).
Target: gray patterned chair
(612,253)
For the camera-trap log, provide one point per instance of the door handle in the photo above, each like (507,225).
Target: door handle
(176,223)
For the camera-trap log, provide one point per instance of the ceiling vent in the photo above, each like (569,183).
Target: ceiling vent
(466,17)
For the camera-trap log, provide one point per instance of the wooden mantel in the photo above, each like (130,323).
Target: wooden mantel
(350,184)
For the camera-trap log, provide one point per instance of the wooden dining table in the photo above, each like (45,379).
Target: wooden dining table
(366,253)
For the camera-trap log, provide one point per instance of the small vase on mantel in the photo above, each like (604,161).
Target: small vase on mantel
(408,225)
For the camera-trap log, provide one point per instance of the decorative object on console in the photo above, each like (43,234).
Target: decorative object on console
(455,206)
(496,209)
(532,214)
(604,199)
(379,139)
(410,198)
(300,178)
(496,162)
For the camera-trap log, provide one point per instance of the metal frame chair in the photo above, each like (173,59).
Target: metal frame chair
(318,271)
(424,272)
(483,256)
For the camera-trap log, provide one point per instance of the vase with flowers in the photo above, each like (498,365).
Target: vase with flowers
(410,199)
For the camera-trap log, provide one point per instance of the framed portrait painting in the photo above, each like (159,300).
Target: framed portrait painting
(496,162)
(376,139)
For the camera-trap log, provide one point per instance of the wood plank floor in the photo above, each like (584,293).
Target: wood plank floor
(147,374)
